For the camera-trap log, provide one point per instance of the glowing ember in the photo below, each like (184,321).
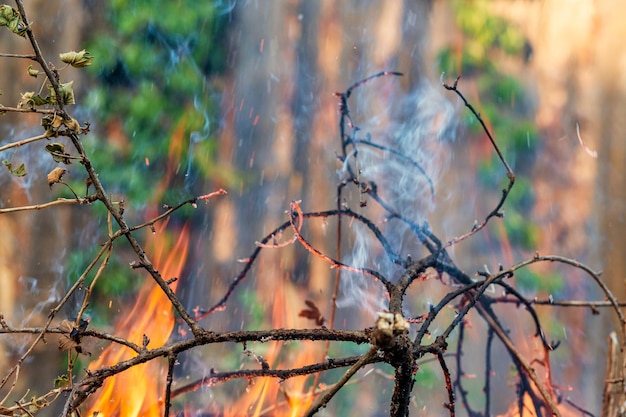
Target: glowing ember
(138,391)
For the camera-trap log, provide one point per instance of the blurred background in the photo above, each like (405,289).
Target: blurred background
(186,97)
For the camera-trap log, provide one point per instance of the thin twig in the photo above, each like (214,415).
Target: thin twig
(590,272)
(171,361)
(488,370)
(51,316)
(402,156)
(57,202)
(593,305)
(249,261)
(509,172)
(529,371)
(446,374)
(88,291)
(23,141)
(283,374)
(296,212)
(24,56)
(323,400)
(458,384)
(5,109)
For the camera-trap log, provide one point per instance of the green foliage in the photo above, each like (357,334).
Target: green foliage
(500,89)
(32,100)
(79,59)
(156,60)
(532,282)
(485,30)
(118,281)
(62,381)
(521,232)
(18,171)
(10,18)
(427,376)
(464,62)
(484,34)
(503,104)
(255,310)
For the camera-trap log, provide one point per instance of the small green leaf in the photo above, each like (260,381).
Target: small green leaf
(67,93)
(20,171)
(72,124)
(31,100)
(78,59)
(57,150)
(61,381)
(10,18)
(32,71)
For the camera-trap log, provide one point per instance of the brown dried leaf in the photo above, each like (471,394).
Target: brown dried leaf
(65,343)
(72,340)
(57,150)
(56,175)
(312,313)
(73,125)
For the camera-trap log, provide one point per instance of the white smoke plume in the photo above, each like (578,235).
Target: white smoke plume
(410,153)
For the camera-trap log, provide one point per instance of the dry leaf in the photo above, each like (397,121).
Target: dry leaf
(57,150)
(65,343)
(72,340)
(312,313)
(55,175)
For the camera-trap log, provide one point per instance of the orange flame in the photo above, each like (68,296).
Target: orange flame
(266,396)
(528,409)
(138,391)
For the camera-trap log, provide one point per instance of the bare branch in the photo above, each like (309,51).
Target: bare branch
(23,141)
(21,56)
(57,202)
(509,172)
(324,399)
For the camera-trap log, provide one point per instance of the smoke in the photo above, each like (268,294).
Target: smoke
(36,315)
(224,7)
(402,150)
(195,138)
(36,161)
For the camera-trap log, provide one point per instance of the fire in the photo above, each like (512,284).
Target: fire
(266,396)
(528,410)
(138,391)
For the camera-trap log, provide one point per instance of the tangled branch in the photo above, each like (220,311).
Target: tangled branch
(400,338)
